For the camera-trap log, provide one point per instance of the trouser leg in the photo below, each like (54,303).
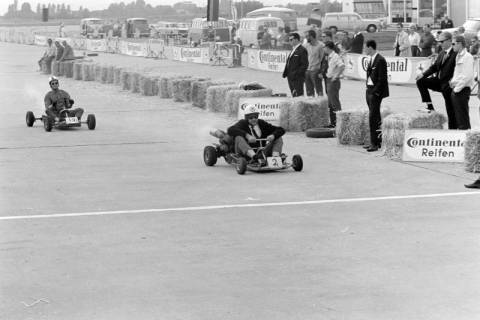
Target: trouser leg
(460,105)
(317,81)
(333,88)
(297,85)
(427,83)
(241,145)
(274,146)
(447,96)
(309,85)
(375,118)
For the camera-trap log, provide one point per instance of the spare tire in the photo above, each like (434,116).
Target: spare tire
(320,132)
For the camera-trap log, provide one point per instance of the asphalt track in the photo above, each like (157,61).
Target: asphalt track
(126,222)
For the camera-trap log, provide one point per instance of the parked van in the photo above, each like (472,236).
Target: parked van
(137,26)
(249,28)
(92,28)
(203,30)
(288,16)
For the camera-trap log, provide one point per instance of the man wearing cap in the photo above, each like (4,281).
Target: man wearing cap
(246,132)
(437,78)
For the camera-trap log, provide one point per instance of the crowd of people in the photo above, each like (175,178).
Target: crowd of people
(56,50)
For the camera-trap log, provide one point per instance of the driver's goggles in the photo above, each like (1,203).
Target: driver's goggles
(54,82)
(252,117)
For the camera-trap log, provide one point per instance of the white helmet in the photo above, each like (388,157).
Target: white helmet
(51,79)
(250,109)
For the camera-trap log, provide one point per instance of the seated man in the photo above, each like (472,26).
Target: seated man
(246,132)
(57,100)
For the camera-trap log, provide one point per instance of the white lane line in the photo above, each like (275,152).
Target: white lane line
(244,205)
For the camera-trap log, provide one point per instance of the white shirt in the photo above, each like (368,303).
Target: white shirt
(463,76)
(293,50)
(335,64)
(414,39)
(372,58)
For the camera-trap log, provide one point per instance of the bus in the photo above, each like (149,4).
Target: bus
(288,16)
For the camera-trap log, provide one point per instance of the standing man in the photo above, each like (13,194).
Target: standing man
(446,23)
(297,64)
(414,41)
(313,80)
(462,82)
(443,69)
(426,42)
(401,44)
(377,89)
(334,72)
(357,42)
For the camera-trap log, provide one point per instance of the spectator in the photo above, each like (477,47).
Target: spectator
(377,89)
(357,42)
(446,23)
(61,31)
(475,46)
(261,31)
(333,30)
(401,44)
(67,52)
(58,50)
(426,42)
(347,41)
(334,73)
(266,42)
(462,82)
(296,65)
(48,56)
(282,39)
(437,78)
(313,78)
(414,41)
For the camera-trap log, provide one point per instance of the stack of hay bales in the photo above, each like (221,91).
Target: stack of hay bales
(472,151)
(305,113)
(68,69)
(182,88)
(77,71)
(55,68)
(165,85)
(117,76)
(199,91)
(233,98)
(217,97)
(148,85)
(350,127)
(110,74)
(126,79)
(104,74)
(135,82)
(384,112)
(88,71)
(394,126)
(98,72)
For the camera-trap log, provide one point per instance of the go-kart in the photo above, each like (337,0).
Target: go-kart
(263,163)
(64,120)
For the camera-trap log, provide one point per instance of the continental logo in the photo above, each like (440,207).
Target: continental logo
(262,106)
(414,142)
(272,57)
(190,53)
(397,65)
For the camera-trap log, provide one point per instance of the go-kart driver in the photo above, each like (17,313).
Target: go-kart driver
(248,130)
(57,100)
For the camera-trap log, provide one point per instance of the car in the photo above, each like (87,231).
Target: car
(348,21)
(64,121)
(472,28)
(225,149)
(93,28)
(137,27)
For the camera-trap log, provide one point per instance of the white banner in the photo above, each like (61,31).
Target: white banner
(40,40)
(137,49)
(195,55)
(269,108)
(434,145)
(99,45)
(267,60)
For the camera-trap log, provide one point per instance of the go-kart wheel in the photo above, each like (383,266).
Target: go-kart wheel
(30,118)
(241,166)
(210,155)
(48,124)
(297,162)
(91,121)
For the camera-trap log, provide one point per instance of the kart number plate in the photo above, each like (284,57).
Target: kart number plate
(274,162)
(71,120)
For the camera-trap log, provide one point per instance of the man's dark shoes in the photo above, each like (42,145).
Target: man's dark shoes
(372,148)
(475,185)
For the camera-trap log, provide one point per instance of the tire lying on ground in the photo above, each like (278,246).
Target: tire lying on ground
(320,132)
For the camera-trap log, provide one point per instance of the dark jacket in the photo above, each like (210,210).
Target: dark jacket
(443,70)
(242,127)
(446,24)
(377,71)
(427,41)
(357,44)
(297,64)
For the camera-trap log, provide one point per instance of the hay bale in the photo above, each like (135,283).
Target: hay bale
(103,74)
(155,86)
(199,91)
(146,85)
(135,82)
(126,79)
(61,68)
(182,88)
(233,98)
(55,68)
(217,96)
(305,113)
(117,76)
(472,151)
(350,127)
(110,74)
(77,71)
(165,90)
(88,71)
(173,87)
(98,72)
(68,68)
(384,112)
(394,126)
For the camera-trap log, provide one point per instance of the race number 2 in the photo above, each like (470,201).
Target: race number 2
(274,162)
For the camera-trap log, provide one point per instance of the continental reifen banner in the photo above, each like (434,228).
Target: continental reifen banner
(268,60)
(434,145)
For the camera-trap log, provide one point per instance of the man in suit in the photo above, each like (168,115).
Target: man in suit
(297,64)
(427,41)
(357,42)
(442,69)
(377,89)
(446,23)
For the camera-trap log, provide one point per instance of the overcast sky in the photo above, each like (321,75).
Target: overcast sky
(103,4)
